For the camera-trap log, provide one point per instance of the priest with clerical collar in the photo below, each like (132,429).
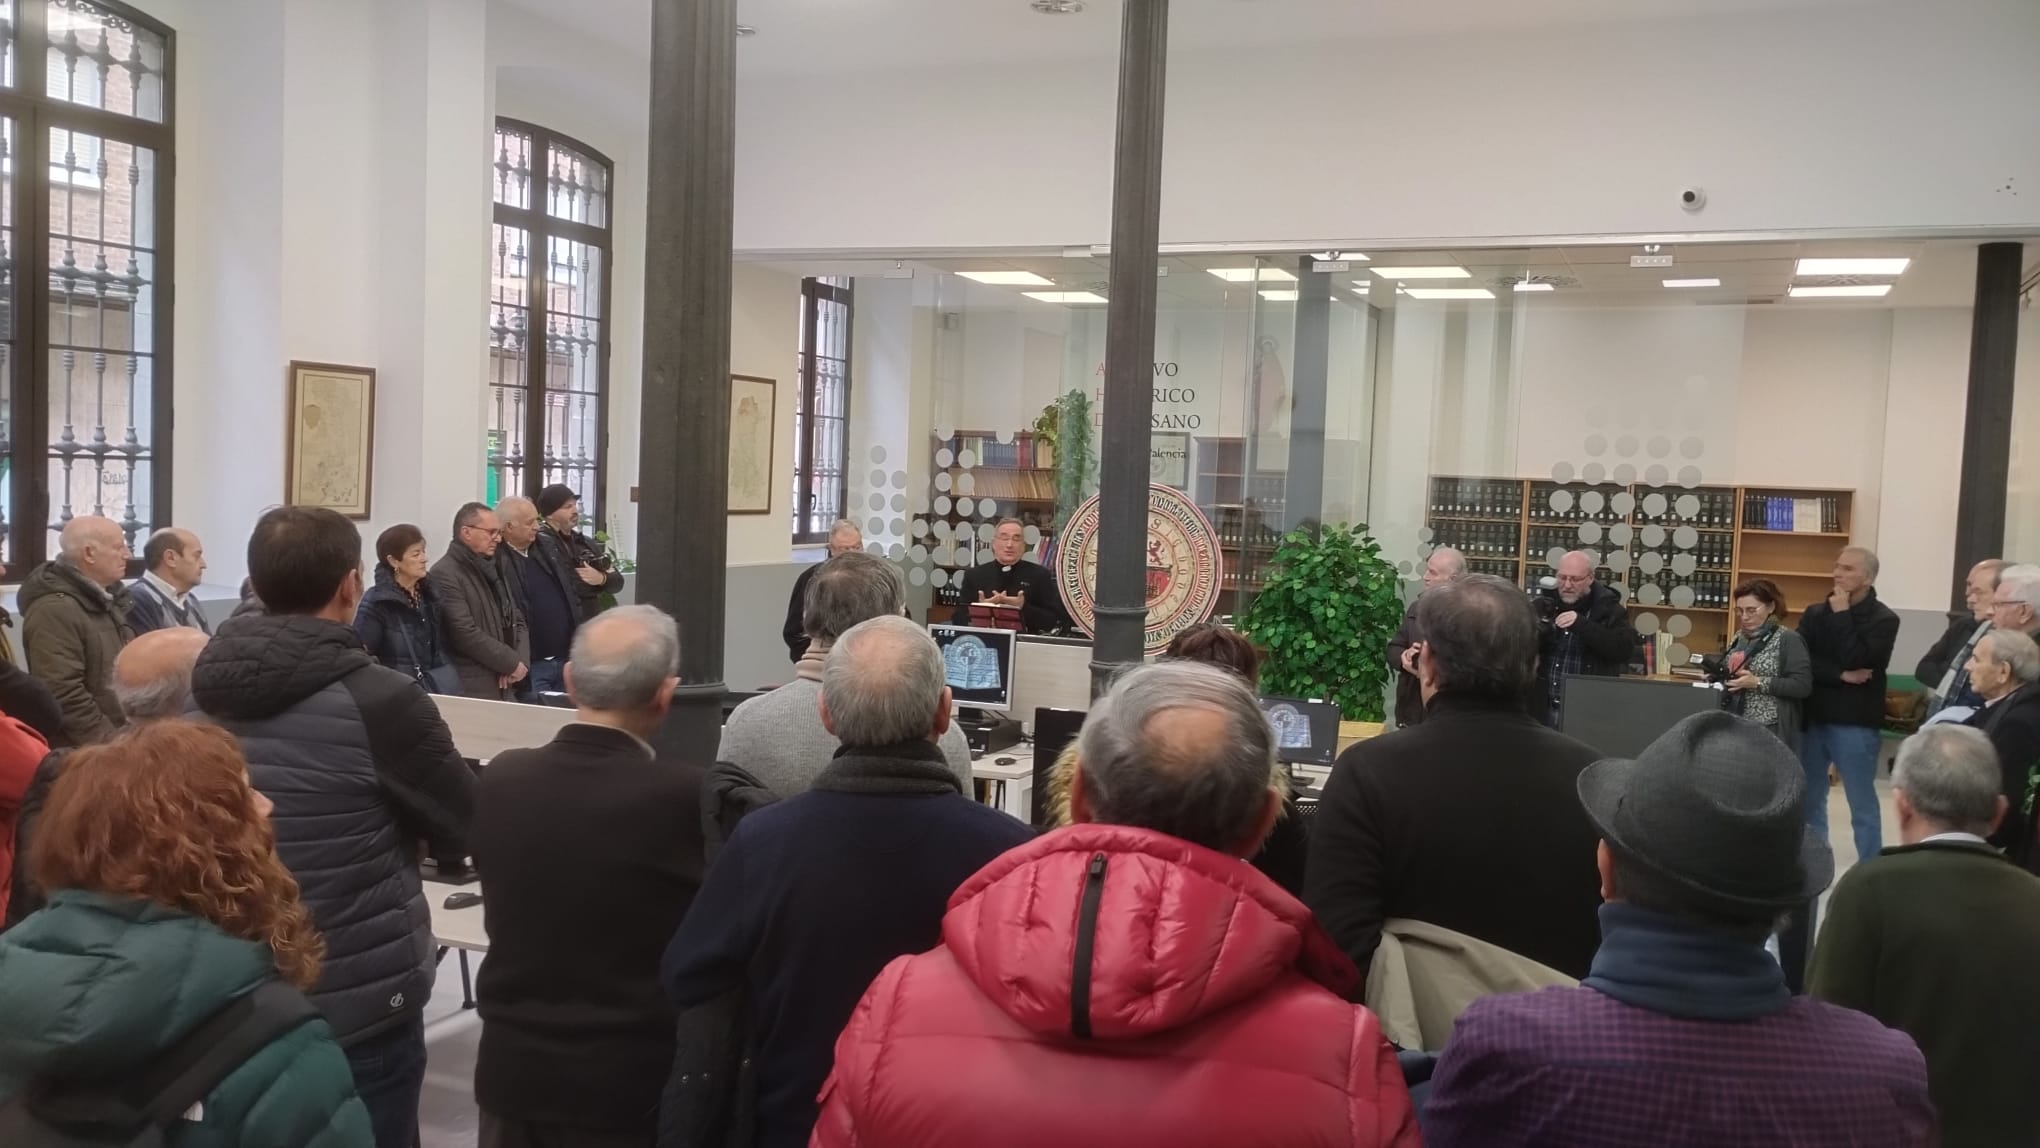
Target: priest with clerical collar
(1010,580)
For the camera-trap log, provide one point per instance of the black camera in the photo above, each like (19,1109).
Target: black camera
(1714,667)
(1547,606)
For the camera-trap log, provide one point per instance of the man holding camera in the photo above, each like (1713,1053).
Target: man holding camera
(1583,628)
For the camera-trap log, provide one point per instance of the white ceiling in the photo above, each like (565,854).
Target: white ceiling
(1942,274)
(846,35)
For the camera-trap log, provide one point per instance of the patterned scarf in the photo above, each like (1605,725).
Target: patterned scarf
(1760,657)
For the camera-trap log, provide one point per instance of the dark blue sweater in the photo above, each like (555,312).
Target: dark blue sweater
(813,896)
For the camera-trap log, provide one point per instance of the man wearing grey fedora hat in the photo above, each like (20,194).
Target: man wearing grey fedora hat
(1684,1032)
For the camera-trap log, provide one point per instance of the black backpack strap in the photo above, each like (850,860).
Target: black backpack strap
(187,1072)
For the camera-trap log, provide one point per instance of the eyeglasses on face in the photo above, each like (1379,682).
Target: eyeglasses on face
(493,533)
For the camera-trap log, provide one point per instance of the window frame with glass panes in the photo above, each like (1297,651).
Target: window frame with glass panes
(821,440)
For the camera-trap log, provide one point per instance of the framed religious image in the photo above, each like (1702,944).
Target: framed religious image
(751,421)
(329,454)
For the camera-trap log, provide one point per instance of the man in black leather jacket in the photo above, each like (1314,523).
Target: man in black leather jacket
(1583,628)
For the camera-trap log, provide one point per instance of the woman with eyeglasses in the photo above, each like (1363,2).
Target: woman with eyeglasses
(1769,670)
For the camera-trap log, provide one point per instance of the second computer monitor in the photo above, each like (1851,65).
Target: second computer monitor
(978,664)
(1306,732)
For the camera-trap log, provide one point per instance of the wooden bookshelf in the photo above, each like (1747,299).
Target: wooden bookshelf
(1508,526)
(1010,475)
(1246,507)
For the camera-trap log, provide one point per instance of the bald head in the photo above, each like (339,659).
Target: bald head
(625,660)
(152,674)
(95,547)
(1575,576)
(519,518)
(884,682)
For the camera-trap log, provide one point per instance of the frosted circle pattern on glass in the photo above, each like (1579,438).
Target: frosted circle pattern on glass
(896,526)
(1622,503)
(917,577)
(1689,476)
(917,553)
(966,459)
(1651,563)
(944,483)
(1654,505)
(1562,471)
(1597,445)
(896,552)
(1425,550)
(1403,566)
(938,578)
(944,457)
(1626,446)
(1032,535)
(942,506)
(1552,556)
(1646,624)
(943,529)
(899,503)
(1678,625)
(1590,532)
(1685,537)
(1623,473)
(1657,475)
(1680,654)
(1592,502)
(1593,472)
(985,532)
(873,527)
(1692,447)
(1688,505)
(878,453)
(899,479)
(1682,597)
(966,507)
(1683,565)
(877,501)
(1652,535)
(966,483)
(1659,447)
(1561,501)
(1650,595)
(1621,534)
(942,431)
(1425,534)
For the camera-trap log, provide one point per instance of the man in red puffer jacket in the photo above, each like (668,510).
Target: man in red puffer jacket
(1128,980)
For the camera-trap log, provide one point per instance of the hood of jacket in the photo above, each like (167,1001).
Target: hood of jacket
(259,665)
(57,578)
(95,984)
(1179,932)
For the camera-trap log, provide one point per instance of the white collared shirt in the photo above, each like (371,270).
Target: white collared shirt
(168,591)
(1954,836)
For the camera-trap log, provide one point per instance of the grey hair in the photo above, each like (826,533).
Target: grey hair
(1951,775)
(2022,583)
(1135,770)
(1869,557)
(624,675)
(845,526)
(516,508)
(850,588)
(164,696)
(882,681)
(1453,556)
(2016,652)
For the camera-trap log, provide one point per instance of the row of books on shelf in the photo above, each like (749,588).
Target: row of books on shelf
(1822,515)
(1710,509)
(1477,539)
(1500,568)
(1575,502)
(1025,450)
(1711,590)
(1476,498)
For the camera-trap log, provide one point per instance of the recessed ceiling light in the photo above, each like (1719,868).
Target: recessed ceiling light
(1449,293)
(1422,272)
(1848,291)
(1065,296)
(1057,7)
(1246,274)
(1692,282)
(1007,278)
(1280,296)
(1853,266)
(1525,287)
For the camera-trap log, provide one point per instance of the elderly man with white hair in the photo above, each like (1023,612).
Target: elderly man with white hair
(2005,670)
(1939,936)
(74,622)
(844,537)
(1444,564)
(547,591)
(590,848)
(1169,992)
(812,896)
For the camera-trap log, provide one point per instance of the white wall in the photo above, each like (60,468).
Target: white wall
(1789,120)
(1925,406)
(765,342)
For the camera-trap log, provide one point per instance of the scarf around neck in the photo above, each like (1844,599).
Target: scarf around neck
(909,768)
(1659,963)
(492,578)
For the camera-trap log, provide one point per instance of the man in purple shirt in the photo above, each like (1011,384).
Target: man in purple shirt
(1684,1034)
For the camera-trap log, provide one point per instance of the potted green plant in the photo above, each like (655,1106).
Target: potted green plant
(1325,615)
(1076,461)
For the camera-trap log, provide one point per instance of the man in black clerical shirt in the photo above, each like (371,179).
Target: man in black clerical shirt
(1010,580)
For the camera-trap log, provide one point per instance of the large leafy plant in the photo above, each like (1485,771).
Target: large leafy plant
(1325,615)
(1076,458)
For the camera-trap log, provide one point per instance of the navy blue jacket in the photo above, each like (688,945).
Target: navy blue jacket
(810,899)
(399,633)
(360,767)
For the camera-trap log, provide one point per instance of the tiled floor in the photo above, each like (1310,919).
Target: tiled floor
(446,1114)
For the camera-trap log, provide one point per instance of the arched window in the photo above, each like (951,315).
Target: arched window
(549,317)
(85,160)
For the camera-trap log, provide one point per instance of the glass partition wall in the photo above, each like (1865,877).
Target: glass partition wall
(1691,416)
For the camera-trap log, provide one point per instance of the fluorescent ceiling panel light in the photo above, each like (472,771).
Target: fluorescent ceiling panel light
(1422,272)
(1449,293)
(1246,274)
(1280,296)
(1849,291)
(1007,278)
(1528,287)
(1692,282)
(1065,296)
(1853,266)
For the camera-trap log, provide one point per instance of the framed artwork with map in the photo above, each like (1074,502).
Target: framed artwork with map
(329,454)
(751,422)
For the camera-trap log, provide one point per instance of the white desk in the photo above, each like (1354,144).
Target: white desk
(1012,786)
(459,929)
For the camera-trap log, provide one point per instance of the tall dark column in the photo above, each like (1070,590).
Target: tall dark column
(1304,493)
(1987,425)
(683,536)
(1130,342)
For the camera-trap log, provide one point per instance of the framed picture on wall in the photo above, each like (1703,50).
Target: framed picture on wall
(751,422)
(329,453)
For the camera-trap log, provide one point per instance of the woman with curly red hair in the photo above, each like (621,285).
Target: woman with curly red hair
(166,904)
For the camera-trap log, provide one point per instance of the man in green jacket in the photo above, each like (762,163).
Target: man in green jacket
(1939,937)
(74,622)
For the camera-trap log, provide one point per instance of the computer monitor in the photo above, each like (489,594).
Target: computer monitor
(1050,672)
(1620,716)
(1306,731)
(978,663)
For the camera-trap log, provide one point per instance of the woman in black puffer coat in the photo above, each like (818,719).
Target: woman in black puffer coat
(399,621)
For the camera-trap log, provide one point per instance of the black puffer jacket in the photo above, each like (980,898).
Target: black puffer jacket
(402,634)
(360,767)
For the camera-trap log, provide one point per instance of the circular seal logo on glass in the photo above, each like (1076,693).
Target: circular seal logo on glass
(1185,568)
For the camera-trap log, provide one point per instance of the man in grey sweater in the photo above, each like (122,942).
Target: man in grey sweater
(779,737)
